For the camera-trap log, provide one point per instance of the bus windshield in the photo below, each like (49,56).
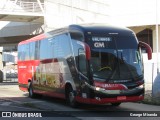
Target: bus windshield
(116,58)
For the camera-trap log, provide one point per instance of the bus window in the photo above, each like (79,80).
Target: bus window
(82,61)
(32,50)
(77,36)
(37,47)
(51,47)
(27,56)
(44,49)
(65,46)
(20,52)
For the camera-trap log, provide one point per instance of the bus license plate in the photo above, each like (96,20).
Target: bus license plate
(121,98)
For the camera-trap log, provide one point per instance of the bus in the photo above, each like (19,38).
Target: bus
(92,64)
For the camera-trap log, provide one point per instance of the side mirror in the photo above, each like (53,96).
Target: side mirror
(148,49)
(87,51)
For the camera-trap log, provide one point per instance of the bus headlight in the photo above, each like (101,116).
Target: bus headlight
(99,89)
(141,86)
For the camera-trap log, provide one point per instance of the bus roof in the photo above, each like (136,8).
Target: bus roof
(101,28)
(85,28)
(36,38)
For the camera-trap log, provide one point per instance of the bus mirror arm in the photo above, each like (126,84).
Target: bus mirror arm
(148,48)
(88,57)
(87,52)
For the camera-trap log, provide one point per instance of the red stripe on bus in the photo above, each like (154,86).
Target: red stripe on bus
(49,61)
(109,86)
(36,38)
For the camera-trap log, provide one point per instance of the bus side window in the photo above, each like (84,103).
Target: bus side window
(37,51)
(32,50)
(20,52)
(82,61)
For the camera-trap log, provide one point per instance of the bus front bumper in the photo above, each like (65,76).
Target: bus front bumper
(117,99)
(103,96)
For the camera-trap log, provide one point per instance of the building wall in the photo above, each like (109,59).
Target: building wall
(60,13)
(138,29)
(135,12)
(155,40)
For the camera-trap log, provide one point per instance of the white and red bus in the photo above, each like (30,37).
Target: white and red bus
(92,64)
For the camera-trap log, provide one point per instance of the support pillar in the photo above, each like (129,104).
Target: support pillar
(1,67)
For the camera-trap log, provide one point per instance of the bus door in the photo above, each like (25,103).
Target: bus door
(82,75)
(84,72)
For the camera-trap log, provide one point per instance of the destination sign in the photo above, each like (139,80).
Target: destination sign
(99,45)
(101,39)
(101,42)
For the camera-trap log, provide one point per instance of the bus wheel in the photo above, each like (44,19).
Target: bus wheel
(71,97)
(115,104)
(30,90)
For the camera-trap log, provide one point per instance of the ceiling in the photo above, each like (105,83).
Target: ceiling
(25,17)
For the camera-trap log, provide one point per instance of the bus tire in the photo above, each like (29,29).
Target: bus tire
(30,90)
(115,104)
(71,97)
